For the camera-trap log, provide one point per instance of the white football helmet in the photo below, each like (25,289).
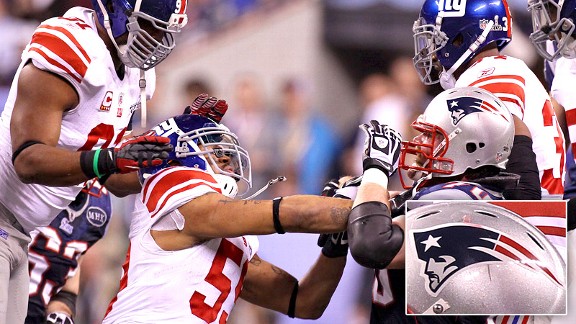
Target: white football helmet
(461,129)
(479,258)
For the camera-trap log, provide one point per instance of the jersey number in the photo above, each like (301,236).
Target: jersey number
(39,264)
(216,278)
(102,132)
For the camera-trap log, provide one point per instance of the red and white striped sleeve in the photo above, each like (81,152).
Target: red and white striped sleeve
(56,46)
(173,187)
(511,89)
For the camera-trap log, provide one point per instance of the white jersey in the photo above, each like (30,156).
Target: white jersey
(522,92)
(194,285)
(563,90)
(70,47)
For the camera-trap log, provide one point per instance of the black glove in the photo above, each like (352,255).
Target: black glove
(381,147)
(138,152)
(59,318)
(336,244)
(330,188)
(207,106)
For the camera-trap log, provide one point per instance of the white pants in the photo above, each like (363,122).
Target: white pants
(14,278)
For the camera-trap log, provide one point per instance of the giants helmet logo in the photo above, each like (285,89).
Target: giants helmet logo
(449,248)
(451,8)
(463,106)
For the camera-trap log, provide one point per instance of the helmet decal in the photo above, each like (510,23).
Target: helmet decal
(463,106)
(449,248)
(452,8)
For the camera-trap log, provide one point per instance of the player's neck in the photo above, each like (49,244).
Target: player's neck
(118,65)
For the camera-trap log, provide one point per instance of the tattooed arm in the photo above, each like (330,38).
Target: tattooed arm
(268,286)
(214,215)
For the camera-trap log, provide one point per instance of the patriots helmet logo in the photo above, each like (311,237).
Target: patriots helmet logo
(463,106)
(445,250)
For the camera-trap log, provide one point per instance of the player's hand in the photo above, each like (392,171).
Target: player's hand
(381,147)
(139,152)
(59,318)
(207,106)
(349,188)
(336,244)
(330,188)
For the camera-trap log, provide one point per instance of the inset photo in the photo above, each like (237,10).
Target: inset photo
(486,258)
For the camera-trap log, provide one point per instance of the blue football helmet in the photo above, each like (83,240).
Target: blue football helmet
(553,20)
(199,142)
(449,33)
(144,21)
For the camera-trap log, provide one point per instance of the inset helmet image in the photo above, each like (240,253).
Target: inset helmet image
(553,28)
(150,24)
(461,129)
(199,142)
(452,32)
(466,257)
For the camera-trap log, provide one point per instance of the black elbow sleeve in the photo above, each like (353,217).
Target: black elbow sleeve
(374,241)
(522,161)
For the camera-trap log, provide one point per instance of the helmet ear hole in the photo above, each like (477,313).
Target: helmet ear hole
(458,40)
(471,147)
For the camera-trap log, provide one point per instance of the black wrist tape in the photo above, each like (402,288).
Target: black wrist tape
(292,305)
(276,215)
(22,147)
(68,298)
(97,164)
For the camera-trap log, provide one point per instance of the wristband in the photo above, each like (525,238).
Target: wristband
(68,298)
(375,175)
(276,215)
(292,305)
(98,163)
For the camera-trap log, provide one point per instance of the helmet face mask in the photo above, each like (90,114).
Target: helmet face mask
(453,135)
(201,143)
(428,40)
(553,20)
(150,26)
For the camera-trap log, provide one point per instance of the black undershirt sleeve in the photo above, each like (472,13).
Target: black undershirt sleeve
(522,161)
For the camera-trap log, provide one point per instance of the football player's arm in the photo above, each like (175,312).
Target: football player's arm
(121,185)
(213,215)
(268,286)
(375,239)
(522,161)
(63,303)
(378,239)
(35,126)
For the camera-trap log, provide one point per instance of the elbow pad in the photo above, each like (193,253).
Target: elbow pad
(374,241)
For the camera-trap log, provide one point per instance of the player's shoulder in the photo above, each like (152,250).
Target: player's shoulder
(171,187)
(68,44)
(177,175)
(455,190)
(495,67)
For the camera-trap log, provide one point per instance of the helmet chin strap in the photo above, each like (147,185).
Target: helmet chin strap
(261,190)
(447,79)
